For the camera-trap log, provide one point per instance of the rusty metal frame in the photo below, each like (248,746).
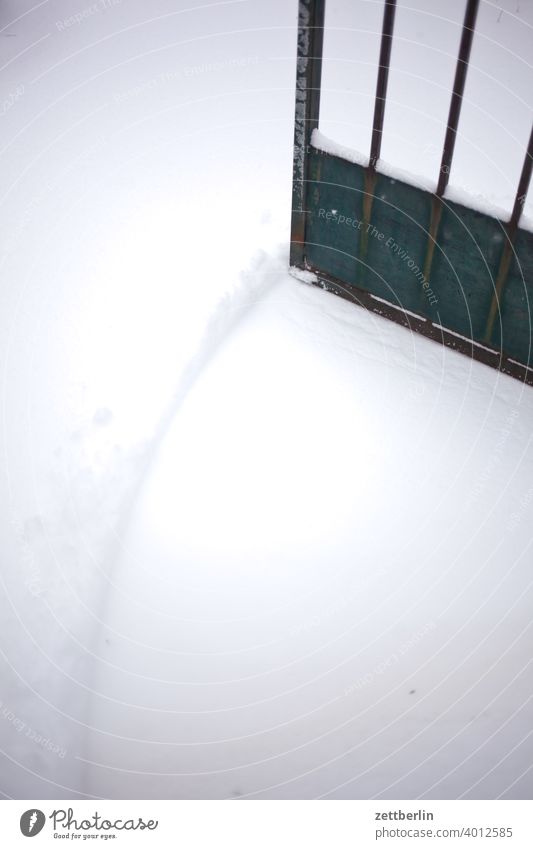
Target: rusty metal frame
(311,19)
(311,14)
(461,70)
(380,100)
(510,232)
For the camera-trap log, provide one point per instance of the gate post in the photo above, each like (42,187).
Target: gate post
(308,76)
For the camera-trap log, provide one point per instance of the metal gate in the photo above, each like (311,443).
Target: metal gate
(455,274)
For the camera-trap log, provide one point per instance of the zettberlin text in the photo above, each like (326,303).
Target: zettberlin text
(402,815)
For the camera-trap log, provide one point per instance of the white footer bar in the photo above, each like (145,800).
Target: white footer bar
(248,824)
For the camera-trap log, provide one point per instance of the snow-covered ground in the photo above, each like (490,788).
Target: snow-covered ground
(256,542)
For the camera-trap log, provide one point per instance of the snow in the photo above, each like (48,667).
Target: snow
(257,542)
(396,173)
(465,338)
(401,308)
(327,145)
(481,204)
(279,648)
(452,193)
(303,275)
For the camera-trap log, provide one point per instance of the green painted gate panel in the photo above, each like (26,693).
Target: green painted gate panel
(465,267)
(335,202)
(381,248)
(517,303)
(454,274)
(396,237)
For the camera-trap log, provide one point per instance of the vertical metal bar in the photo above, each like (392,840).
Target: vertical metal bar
(465,47)
(467,36)
(510,228)
(383,78)
(387,28)
(311,15)
(434,224)
(523,186)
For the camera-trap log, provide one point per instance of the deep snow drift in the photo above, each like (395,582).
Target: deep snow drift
(325,586)
(256,542)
